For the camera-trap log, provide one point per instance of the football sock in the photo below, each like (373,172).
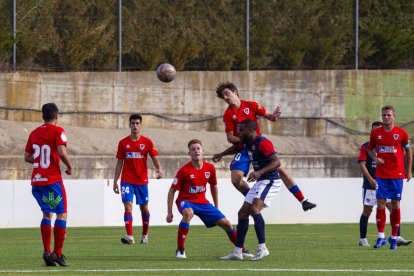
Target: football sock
(183,229)
(232,234)
(145,223)
(46,231)
(128,223)
(381,219)
(59,232)
(399,230)
(363,227)
(395,221)
(242,228)
(259,226)
(297,193)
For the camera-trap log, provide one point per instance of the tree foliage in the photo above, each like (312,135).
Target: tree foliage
(67,35)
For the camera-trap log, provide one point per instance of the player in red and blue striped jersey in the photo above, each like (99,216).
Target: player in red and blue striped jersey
(132,155)
(265,164)
(238,111)
(389,147)
(45,148)
(191,183)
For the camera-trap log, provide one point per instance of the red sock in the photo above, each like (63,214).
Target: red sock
(128,223)
(381,219)
(145,223)
(395,221)
(297,193)
(59,232)
(183,229)
(46,231)
(232,234)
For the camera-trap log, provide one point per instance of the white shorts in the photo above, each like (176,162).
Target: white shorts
(266,190)
(369,197)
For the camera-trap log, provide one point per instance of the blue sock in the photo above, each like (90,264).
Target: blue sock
(242,228)
(363,227)
(259,226)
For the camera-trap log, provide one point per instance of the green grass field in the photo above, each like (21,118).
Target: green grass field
(311,249)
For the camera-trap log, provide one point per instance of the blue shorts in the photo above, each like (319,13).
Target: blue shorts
(241,161)
(206,212)
(389,188)
(51,198)
(129,190)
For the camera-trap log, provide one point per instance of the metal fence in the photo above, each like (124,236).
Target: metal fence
(122,35)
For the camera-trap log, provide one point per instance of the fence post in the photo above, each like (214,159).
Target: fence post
(356,33)
(120,35)
(247,34)
(14,36)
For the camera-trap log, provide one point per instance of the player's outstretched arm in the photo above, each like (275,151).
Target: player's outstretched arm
(231,150)
(274,115)
(170,200)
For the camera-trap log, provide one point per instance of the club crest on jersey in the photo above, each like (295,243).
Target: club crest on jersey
(396,136)
(192,176)
(141,146)
(379,137)
(234,117)
(128,146)
(207,174)
(246,111)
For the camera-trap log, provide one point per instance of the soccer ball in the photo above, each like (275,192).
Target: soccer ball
(166,72)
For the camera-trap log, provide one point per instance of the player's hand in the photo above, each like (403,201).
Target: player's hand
(373,183)
(379,161)
(253,176)
(160,173)
(409,176)
(116,188)
(68,171)
(170,218)
(276,113)
(217,157)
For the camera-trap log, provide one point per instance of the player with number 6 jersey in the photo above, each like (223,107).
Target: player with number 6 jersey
(45,148)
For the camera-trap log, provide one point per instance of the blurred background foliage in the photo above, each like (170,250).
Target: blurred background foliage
(82,35)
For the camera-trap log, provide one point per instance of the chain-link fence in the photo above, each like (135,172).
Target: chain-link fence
(108,35)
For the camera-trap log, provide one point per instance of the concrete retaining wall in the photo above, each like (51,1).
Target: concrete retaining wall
(352,98)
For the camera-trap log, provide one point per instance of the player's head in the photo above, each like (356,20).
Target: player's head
(227,91)
(135,121)
(195,150)
(388,115)
(247,130)
(376,124)
(49,112)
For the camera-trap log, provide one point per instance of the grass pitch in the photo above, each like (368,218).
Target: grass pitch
(311,249)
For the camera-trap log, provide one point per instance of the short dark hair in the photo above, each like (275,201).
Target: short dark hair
(192,142)
(49,111)
(376,123)
(135,116)
(223,85)
(249,124)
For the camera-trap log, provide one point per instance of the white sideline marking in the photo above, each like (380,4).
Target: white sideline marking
(212,269)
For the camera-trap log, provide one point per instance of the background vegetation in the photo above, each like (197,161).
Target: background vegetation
(73,35)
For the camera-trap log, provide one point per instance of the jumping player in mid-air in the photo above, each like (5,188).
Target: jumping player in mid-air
(238,111)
